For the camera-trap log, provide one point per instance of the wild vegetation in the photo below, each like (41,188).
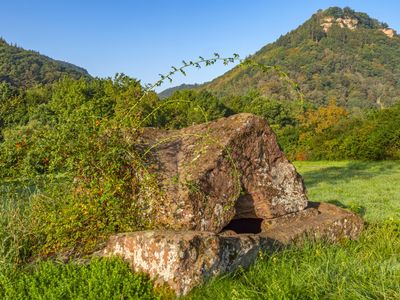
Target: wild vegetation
(72,170)
(71,165)
(70,157)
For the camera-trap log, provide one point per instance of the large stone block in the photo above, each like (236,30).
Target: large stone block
(184,259)
(211,173)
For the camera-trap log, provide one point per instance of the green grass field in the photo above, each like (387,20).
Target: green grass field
(371,188)
(365,269)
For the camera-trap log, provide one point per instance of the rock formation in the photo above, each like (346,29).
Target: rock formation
(229,194)
(389,32)
(228,169)
(185,259)
(350,23)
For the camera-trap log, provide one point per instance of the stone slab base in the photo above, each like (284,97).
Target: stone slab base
(318,220)
(185,259)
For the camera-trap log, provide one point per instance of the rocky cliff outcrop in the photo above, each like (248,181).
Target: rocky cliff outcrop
(389,32)
(350,23)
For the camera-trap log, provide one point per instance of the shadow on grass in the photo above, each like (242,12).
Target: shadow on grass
(358,209)
(352,170)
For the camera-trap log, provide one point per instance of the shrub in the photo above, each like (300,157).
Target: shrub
(77,143)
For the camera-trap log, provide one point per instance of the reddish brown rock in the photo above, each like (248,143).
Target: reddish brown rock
(185,259)
(318,221)
(228,169)
(229,194)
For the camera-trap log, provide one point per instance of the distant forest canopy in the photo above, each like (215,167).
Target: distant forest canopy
(358,65)
(25,68)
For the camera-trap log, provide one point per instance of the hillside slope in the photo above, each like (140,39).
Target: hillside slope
(337,54)
(25,68)
(169,91)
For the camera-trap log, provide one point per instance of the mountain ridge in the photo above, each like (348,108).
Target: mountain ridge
(356,66)
(23,68)
(184,86)
(338,55)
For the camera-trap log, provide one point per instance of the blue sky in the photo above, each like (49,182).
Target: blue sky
(143,38)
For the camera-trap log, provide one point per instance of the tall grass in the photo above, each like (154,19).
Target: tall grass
(17,238)
(15,202)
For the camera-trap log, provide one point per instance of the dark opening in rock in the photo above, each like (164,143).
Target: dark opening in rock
(244,225)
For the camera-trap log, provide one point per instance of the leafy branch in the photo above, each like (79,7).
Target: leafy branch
(199,63)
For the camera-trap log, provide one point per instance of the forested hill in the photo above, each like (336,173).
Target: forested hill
(25,68)
(337,54)
(168,92)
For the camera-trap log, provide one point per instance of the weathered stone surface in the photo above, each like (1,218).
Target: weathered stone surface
(228,169)
(184,259)
(229,193)
(319,221)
